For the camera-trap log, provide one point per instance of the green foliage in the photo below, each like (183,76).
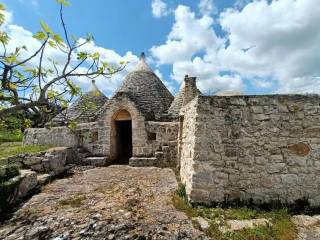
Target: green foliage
(281,227)
(64,2)
(12,149)
(181,191)
(40,36)
(10,135)
(8,171)
(9,181)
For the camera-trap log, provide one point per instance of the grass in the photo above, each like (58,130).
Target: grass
(281,227)
(15,148)
(73,201)
(10,136)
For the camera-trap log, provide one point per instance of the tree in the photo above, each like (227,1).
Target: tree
(40,91)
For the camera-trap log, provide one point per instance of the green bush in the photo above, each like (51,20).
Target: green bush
(9,182)
(181,191)
(8,171)
(10,135)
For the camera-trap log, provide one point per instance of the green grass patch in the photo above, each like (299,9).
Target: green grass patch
(73,201)
(10,135)
(281,227)
(15,148)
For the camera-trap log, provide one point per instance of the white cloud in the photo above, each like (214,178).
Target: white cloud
(159,8)
(20,36)
(168,84)
(284,36)
(241,3)
(191,37)
(207,7)
(109,85)
(272,44)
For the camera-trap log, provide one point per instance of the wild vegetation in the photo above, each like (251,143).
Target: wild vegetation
(15,148)
(36,87)
(8,182)
(281,227)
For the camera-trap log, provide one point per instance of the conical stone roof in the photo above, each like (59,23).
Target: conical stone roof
(85,108)
(180,98)
(146,90)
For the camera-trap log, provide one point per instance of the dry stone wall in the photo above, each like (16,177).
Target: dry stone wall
(259,148)
(88,135)
(163,140)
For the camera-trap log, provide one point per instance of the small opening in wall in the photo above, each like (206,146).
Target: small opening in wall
(152,136)
(94,137)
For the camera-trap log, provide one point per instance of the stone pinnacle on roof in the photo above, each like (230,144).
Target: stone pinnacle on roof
(93,90)
(187,92)
(146,90)
(142,65)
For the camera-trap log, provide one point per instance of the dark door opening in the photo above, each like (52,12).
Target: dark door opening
(123,141)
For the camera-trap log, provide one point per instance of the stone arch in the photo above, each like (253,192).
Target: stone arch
(121,137)
(107,129)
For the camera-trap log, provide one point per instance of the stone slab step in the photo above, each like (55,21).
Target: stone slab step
(96,161)
(143,162)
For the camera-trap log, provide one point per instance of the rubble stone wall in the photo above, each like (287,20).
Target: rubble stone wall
(86,136)
(163,139)
(260,148)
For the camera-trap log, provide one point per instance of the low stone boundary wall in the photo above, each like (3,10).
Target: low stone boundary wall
(35,171)
(252,148)
(87,135)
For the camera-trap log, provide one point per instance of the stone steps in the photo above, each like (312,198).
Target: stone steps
(143,161)
(96,161)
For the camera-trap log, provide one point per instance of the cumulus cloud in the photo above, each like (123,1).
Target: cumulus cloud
(207,7)
(191,48)
(159,8)
(283,41)
(273,44)
(20,36)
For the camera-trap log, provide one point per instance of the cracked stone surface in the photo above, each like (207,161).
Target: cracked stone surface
(117,202)
(308,227)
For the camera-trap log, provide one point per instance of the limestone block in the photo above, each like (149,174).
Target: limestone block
(203,224)
(56,158)
(27,184)
(277,168)
(32,160)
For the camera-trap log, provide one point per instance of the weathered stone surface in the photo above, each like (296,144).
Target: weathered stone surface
(299,149)
(118,202)
(308,227)
(56,158)
(203,224)
(27,184)
(43,178)
(251,147)
(32,160)
(236,225)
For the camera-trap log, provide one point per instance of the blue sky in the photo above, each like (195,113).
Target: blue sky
(219,58)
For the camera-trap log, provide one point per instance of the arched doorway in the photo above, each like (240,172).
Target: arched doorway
(123,137)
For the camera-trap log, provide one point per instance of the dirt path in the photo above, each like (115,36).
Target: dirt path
(118,202)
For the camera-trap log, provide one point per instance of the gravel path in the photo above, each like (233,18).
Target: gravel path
(117,202)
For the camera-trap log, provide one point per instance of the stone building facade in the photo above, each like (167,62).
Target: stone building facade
(252,148)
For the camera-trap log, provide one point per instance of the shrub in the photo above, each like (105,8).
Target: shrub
(8,171)
(181,191)
(8,185)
